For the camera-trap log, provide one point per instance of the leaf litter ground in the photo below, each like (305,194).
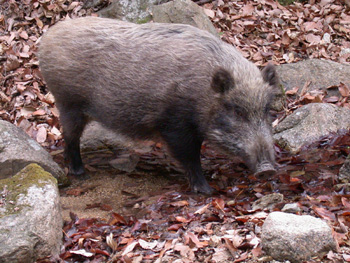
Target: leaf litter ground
(148,215)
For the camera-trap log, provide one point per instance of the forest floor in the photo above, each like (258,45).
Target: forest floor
(149,214)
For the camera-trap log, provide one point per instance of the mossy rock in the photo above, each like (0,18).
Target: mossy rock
(17,186)
(30,217)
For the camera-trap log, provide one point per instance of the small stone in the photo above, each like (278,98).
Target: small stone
(291,208)
(344,172)
(326,38)
(344,51)
(267,201)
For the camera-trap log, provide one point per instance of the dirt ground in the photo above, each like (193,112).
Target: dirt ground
(112,190)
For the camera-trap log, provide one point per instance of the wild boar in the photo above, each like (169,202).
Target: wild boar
(168,81)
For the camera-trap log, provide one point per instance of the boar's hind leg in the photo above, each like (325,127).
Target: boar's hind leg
(73,122)
(185,145)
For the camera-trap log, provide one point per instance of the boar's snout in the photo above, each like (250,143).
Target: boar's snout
(261,155)
(265,169)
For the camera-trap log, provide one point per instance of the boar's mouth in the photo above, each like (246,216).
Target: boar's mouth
(265,169)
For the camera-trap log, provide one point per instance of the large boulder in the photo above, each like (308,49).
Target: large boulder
(320,73)
(30,216)
(17,150)
(161,11)
(183,12)
(296,238)
(136,11)
(309,123)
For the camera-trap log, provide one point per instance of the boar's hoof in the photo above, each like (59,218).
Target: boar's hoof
(265,169)
(78,174)
(202,187)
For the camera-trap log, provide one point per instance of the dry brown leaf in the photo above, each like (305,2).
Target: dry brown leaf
(130,247)
(219,203)
(191,237)
(148,245)
(24,35)
(209,12)
(324,213)
(181,219)
(247,10)
(344,90)
(202,209)
(180,203)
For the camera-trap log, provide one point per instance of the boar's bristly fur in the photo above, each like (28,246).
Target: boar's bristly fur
(168,81)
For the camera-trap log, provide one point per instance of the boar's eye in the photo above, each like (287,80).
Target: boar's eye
(235,110)
(267,109)
(229,106)
(239,111)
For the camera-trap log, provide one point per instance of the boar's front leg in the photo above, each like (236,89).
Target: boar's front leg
(180,132)
(186,149)
(73,122)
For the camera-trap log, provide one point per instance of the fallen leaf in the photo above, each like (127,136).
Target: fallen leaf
(129,248)
(192,237)
(82,252)
(219,203)
(324,213)
(180,203)
(344,90)
(182,219)
(76,191)
(242,257)
(116,218)
(148,245)
(41,135)
(209,12)
(202,209)
(111,242)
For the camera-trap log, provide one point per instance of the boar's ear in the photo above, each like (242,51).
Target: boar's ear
(270,75)
(222,81)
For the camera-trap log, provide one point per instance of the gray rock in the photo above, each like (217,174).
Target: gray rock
(309,123)
(267,201)
(291,208)
(17,150)
(93,3)
(96,136)
(183,12)
(321,73)
(296,238)
(30,216)
(136,11)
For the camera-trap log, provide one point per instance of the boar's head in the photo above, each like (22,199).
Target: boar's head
(241,124)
